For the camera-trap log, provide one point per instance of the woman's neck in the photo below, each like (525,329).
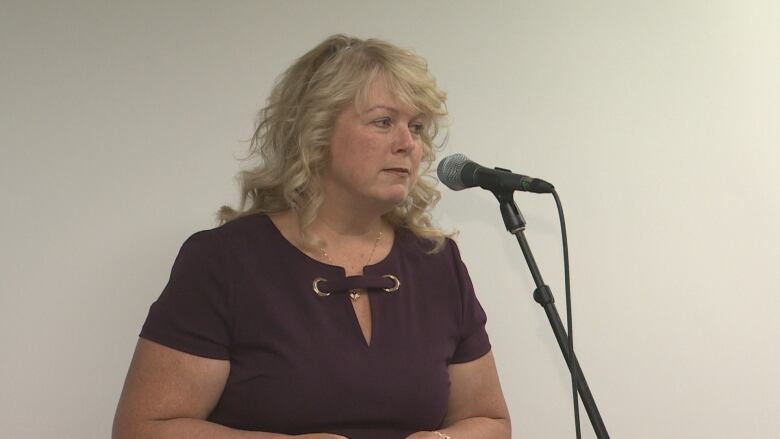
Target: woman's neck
(346,240)
(334,228)
(345,224)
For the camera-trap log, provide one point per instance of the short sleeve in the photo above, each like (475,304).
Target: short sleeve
(192,313)
(473,341)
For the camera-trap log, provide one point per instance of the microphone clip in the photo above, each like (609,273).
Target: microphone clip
(513,219)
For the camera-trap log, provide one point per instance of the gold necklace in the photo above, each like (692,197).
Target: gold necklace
(354,294)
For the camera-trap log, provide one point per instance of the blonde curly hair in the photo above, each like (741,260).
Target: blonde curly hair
(293,131)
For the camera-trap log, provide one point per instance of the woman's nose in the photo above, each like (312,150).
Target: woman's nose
(405,139)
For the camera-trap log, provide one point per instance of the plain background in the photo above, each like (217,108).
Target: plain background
(121,122)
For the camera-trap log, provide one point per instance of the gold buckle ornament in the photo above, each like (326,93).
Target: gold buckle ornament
(395,287)
(315,286)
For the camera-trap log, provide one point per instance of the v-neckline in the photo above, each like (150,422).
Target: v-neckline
(368,341)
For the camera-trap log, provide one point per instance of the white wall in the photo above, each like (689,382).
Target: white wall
(657,121)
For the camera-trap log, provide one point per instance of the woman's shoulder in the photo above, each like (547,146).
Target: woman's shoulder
(242,226)
(410,242)
(232,233)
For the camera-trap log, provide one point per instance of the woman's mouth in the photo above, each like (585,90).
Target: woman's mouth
(398,171)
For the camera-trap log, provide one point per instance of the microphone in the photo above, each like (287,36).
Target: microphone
(457,172)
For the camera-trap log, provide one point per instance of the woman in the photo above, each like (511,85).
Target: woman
(331,307)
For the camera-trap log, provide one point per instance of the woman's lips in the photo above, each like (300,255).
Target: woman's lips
(398,171)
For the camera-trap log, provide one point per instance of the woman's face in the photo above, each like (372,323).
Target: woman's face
(375,151)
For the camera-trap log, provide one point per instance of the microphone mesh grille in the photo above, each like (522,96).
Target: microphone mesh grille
(449,171)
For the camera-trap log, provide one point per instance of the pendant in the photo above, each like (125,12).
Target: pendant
(354,294)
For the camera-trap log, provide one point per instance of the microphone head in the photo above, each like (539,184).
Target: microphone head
(450,170)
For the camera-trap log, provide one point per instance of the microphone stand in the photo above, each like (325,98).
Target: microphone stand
(515,224)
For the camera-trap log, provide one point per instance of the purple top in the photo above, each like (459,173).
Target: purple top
(298,361)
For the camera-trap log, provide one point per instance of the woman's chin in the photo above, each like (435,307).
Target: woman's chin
(391,201)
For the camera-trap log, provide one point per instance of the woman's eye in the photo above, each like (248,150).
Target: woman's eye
(382,123)
(417,128)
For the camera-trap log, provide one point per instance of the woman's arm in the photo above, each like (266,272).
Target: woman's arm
(476,406)
(168,394)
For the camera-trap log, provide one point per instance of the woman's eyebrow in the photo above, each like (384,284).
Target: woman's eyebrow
(394,110)
(383,107)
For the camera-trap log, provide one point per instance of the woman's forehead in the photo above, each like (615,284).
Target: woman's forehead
(379,94)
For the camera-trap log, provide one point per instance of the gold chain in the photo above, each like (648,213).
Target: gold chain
(354,294)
